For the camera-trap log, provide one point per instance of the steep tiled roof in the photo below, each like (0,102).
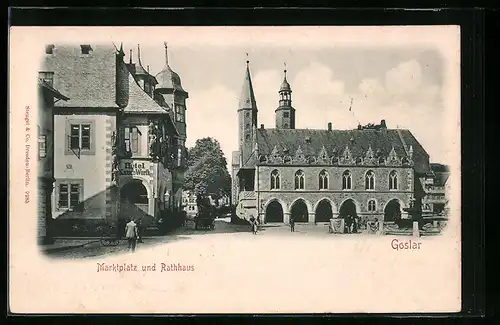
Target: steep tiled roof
(140,102)
(247,97)
(88,80)
(312,141)
(51,89)
(168,79)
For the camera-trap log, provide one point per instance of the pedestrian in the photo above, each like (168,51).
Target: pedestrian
(292,224)
(253,223)
(139,231)
(131,234)
(355,225)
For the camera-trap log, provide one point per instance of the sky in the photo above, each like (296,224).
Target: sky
(408,76)
(401,85)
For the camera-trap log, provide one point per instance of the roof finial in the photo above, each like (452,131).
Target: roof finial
(139,53)
(166,53)
(130,58)
(247,59)
(121,48)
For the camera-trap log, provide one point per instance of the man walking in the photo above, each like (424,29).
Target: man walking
(292,224)
(131,234)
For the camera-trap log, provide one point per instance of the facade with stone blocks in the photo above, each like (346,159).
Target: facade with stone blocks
(371,172)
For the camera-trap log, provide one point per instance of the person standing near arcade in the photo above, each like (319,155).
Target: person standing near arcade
(131,234)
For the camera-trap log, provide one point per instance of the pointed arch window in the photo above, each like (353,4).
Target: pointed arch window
(299,180)
(370,180)
(247,127)
(372,205)
(393,180)
(323,180)
(347,180)
(275,180)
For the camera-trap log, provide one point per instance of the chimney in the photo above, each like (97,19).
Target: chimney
(262,126)
(382,124)
(329,126)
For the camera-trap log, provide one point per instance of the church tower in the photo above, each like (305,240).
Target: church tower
(285,113)
(247,119)
(170,88)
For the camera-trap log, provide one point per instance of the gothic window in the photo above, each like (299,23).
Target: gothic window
(370,180)
(286,114)
(372,206)
(247,114)
(299,180)
(247,137)
(287,160)
(247,127)
(285,126)
(393,180)
(275,180)
(335,160)
(323,180)
(347,180)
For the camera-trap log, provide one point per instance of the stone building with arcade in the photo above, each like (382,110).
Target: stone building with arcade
(372,172)
(119,139)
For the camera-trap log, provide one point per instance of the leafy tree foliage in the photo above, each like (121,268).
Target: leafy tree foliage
(207,172)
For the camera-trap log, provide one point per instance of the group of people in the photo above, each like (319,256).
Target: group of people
(351,225)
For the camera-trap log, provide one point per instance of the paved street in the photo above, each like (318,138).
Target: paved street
(223,227)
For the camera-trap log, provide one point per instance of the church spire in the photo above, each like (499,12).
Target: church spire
(247,98)
(166,53)
(139,54)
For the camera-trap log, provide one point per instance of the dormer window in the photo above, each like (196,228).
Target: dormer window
(49,49)
(86,49)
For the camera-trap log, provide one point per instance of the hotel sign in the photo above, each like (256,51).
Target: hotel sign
(135,167)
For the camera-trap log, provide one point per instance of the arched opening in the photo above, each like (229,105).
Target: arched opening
(135,192)
(348,212)
(274,212)
(324,211)
(392,211)
(299,211)
(347,208)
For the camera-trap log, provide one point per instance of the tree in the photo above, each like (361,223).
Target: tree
(207,172)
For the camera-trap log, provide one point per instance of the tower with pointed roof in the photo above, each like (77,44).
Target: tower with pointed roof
(285,113)
(247,118)
(170,88)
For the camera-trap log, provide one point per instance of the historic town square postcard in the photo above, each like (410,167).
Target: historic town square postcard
(189,170)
